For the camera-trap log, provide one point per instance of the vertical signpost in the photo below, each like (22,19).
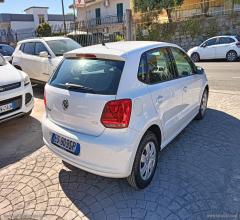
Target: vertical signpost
(64,19)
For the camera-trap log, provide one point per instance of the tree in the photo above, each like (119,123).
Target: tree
(149,5)
(44,30)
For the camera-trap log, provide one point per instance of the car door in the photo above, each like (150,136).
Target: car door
(208,49)
(223,46)
(190,83)
(27,58)
(42,63)
(165,92)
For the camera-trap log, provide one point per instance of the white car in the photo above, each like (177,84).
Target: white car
(39,57)
(16,95)
(111,108)
(221,47)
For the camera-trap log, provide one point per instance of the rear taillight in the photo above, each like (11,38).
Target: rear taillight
(117,113)
(238,44)
(44,98)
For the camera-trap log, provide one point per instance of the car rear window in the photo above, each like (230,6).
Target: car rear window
(97,76)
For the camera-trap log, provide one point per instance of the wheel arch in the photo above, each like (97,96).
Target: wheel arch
(157,131)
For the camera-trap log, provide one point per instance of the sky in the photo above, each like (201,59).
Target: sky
(18,6)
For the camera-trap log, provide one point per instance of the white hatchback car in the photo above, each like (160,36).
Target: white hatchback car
(16,95)
(111,108)
(220,47)
(40,56)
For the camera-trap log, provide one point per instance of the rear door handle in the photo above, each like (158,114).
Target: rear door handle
(159,99)
(185,89)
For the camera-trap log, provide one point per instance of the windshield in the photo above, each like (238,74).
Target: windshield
(97,76)
(2,61)
(59,47)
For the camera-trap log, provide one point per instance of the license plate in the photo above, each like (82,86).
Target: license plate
(66,144)
(7,107)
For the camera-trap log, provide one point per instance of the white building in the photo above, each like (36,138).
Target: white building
(101,13)
(24,25)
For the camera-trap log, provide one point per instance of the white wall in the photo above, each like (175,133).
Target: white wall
(18,25)
(36,12)
(105,11)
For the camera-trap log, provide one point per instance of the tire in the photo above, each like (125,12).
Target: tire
(203,106)
(137,179)
(195,57)
(231,56)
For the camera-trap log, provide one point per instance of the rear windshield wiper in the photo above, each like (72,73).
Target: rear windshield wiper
(77,87)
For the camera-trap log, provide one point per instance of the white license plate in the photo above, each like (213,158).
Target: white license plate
(66,144)
(6,108)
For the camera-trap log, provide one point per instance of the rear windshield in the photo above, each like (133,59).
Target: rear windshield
(97,76)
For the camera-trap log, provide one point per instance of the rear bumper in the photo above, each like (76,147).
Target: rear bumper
(110,154)
(25,108)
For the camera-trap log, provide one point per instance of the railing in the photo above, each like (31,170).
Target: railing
(108,20)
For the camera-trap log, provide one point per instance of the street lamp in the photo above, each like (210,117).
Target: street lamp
(64,19)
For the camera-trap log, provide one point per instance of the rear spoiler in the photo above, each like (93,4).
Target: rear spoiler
(94,56)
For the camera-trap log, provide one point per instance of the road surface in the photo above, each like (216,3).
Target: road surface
(222,75)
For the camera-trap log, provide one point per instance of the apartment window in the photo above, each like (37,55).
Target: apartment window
(120,12)
(41,19)
(98,16)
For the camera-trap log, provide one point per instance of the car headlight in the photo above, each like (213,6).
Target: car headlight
(26,80)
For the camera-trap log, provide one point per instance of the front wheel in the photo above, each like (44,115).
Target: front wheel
(145,162)
(203,105)
(195,57)
(231,56)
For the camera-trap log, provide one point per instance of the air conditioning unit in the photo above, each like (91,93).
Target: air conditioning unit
(106,3)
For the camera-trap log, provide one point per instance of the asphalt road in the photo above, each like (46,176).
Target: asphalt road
(222,75)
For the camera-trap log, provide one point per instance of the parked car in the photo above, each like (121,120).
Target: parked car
(220,47)
(7,51)
(111,108)
(16,95)
(40,56)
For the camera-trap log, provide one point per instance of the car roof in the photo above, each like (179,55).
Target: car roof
(120,49)
(42,38)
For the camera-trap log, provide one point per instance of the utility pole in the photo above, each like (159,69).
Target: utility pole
(64,19)
(74,15)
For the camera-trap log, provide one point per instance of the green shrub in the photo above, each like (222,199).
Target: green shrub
(44,30)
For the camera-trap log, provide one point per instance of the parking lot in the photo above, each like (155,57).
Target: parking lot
(198,174)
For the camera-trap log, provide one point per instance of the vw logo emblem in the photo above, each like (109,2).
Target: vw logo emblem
(65,104)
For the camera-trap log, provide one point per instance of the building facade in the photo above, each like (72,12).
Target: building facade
(102,15)
(21,26)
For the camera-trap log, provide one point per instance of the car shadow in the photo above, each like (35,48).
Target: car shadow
(197,174)
(38,91)
(19,137)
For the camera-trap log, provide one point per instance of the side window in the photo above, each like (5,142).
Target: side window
(29,48)
(159,66)
(40,48)
(21,47)
(226,40)
(142,69)
(211,42)
(184,65)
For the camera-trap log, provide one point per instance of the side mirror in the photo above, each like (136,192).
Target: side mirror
(44,54)
(200,70)
(204,45)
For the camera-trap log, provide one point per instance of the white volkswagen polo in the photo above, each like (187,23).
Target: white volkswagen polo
(111,108)
(16,95)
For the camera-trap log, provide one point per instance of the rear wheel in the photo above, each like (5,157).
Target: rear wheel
(203,106)
(145,162)
(232,56)
(195,57)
